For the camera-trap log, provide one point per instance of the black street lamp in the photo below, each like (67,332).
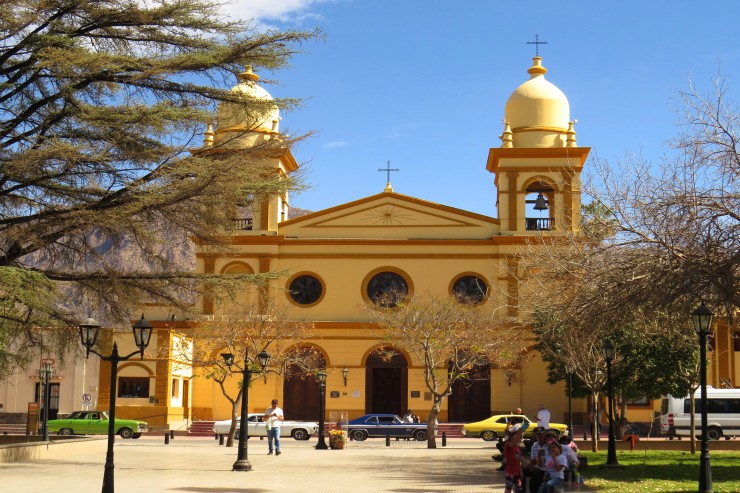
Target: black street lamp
(321,374)
(611,457)
(703,318)
(263,358)
(569,369)
(89,330)
(45,373)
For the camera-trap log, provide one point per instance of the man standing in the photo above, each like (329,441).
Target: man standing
(543,417)
(274,417)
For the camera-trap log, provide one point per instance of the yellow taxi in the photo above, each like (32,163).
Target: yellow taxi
(494,427)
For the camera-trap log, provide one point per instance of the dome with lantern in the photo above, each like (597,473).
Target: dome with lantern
(537,112)
(255,114)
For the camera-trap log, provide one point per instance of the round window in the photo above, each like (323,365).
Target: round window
(470,289)
(387,289)
(305,289)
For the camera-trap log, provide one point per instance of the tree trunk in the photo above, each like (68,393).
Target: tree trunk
(621,418)
(234,420)
(432,422)
(595,418)
(692,435)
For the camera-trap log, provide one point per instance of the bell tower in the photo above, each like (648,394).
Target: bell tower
(537,168)
(257,125)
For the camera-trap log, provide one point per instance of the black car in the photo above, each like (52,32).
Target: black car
(382,425)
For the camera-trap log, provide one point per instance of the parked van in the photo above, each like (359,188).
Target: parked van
(723,414)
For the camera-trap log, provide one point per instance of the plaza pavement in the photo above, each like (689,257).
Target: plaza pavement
(200,465)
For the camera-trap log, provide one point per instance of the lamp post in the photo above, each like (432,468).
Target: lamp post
(611,457)
(45,373)
(263,358)
(89,330)
(703,318)
(569,369)
(321,374)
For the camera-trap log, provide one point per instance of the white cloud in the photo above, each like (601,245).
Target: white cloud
(334,144)
(264,10)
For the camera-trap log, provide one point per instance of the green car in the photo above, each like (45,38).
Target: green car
(95,423)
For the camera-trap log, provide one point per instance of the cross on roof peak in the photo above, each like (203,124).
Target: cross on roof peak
(537,44)
(388,170)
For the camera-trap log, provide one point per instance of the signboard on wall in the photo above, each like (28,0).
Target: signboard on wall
(32,420)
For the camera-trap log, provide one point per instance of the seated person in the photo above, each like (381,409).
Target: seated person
(570,454)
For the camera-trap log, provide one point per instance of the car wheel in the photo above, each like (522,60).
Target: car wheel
(358,435)
(126,432)
(420,435)
(66,432)
(299,434)
(136,435)
(489,435)
(714,433)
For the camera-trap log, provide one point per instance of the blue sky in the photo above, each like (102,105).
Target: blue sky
(424,83)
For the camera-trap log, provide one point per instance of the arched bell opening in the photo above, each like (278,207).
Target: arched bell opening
(539,203)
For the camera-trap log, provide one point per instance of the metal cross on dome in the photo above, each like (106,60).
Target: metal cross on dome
(388,170)
(537,44)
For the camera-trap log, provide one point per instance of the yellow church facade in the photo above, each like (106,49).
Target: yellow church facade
(339,258)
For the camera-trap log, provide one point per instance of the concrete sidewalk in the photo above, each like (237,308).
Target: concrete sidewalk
(201,465)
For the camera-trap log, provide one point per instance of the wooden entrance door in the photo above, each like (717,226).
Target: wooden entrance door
(471,398)
(387,396)
(186,399)
(386,383)
(301,400)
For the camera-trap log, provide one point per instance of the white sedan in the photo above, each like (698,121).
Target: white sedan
(300,430)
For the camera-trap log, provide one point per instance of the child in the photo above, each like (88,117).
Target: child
(555,469)
(513,458)
(571,456)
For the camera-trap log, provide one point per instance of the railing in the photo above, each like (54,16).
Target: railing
(539,223)
(243,224)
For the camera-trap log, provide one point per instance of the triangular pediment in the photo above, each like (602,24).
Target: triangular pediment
(391,215)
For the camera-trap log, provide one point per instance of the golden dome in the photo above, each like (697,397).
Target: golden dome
(248,117)
(538,112)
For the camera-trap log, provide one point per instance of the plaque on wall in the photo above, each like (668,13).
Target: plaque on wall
(334,394)
(415,393)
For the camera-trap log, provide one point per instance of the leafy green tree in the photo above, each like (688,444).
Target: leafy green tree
(100,105)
